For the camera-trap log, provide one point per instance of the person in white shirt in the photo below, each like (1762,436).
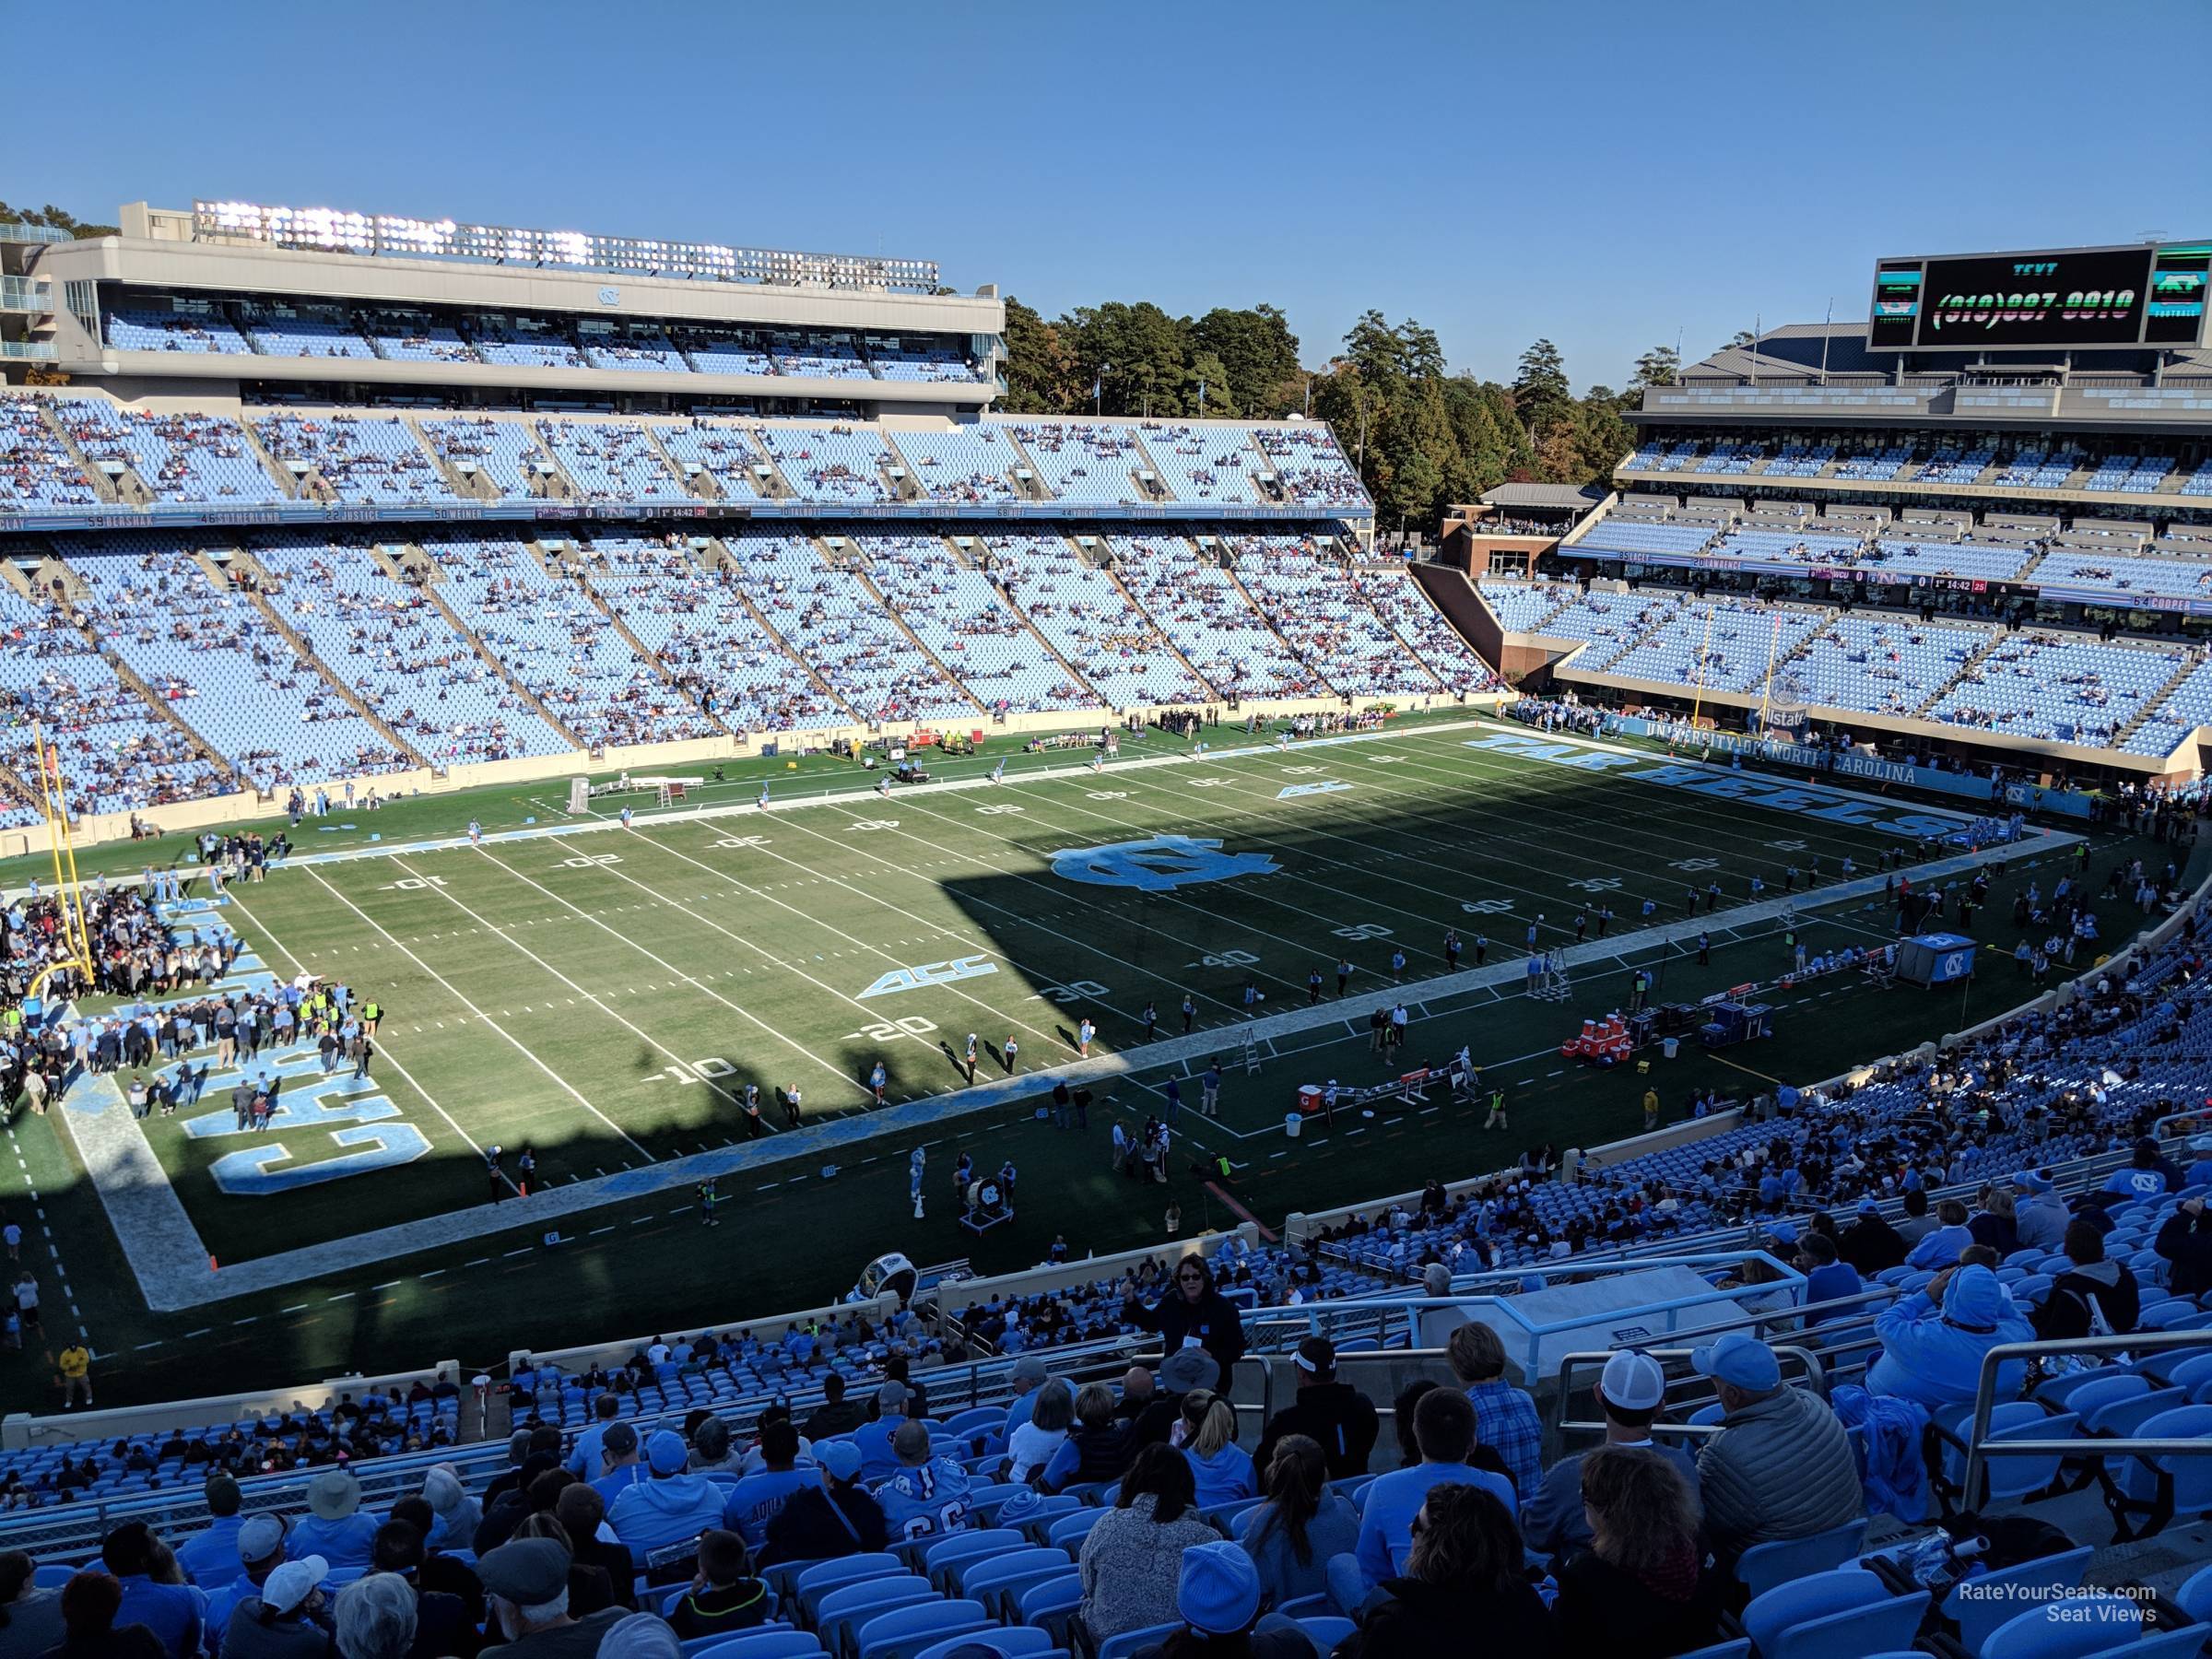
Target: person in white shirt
(1031,1445)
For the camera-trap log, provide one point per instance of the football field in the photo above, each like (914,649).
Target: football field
(604,994)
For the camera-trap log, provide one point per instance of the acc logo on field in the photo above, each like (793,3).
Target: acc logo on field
(930,974)
(1157,865)
(1291,790)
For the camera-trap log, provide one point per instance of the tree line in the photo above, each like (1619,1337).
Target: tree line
(1421,437)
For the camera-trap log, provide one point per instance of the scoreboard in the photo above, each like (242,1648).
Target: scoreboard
(2108,298)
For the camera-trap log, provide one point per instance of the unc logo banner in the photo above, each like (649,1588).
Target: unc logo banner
(1159,865)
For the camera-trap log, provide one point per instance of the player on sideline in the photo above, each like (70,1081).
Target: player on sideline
(883,786)
(970,1056)
(1098,762)
(876,1079)
(762,801)
(625,817)
(1084,1033)
(916,1162)
(1010,1053)
(1282,743)
(476,833)
(999,773)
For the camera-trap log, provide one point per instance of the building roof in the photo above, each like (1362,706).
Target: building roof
(1573,498)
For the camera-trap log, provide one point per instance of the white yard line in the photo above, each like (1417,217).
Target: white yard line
(458,995)
(691,979)
(384,1054)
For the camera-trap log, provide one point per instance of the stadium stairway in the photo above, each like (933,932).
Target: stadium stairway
(1098,557)
(1965,668)
(475,485)
(416,559)
(1075,675)
(650,658)
(102,486)
(286,480)
(859,566)
(719,557)
(2155,702)
(1229,568)
(258,596)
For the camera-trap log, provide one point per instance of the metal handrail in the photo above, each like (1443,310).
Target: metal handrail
(1979,1445)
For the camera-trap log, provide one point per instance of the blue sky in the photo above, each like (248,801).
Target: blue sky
(1608,175)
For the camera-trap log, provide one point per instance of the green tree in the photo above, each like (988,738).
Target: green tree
(1042,377)
(1137,351)
(1541,397)
(1207,369)
(1660,366)
(1259,356)
(58,217)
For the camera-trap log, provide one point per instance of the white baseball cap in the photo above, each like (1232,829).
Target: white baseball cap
(1633,1381)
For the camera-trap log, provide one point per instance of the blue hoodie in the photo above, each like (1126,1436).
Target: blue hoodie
(1939,1248)
(1224,1478)
(658,1512)
(1933,1355)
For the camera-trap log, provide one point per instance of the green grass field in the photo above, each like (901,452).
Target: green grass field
(604,996)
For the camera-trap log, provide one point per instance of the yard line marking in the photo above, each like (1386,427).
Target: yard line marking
(1039,1031)
(738,1009)
(262,932)
(516,1042)
(525,1249)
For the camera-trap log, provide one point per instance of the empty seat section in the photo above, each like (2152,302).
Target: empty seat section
(548,634)
(955,612)
(390,643)
(233,679)
(1086,614)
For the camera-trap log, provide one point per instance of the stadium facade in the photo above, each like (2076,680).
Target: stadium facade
(1998,551)
(623,501)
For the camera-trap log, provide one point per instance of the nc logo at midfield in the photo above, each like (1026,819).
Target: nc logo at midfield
(1156,866)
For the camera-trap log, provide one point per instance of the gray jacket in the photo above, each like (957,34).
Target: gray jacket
(1781,1467)
(1132,1567)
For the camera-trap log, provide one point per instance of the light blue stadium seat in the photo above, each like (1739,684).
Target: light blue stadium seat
(1764,1566)
(1997,1596)
(941,1557)
(825,1577)
(1837,1615)
(842,1613)
(904,1632)
(1067,1532)
(1016,1643)
(756,1644)
(2071,1629)
(1130,1643)
(1049,1604)
(992,1578)
(2144,1494)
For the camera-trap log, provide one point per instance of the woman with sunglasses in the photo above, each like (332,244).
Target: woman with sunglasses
(1193,1315)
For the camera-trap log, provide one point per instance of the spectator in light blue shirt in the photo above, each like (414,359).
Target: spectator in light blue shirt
(758,1498)
(173,1612)
(209,1557)
(1941,1247)
(1443,1428)
(335,1527)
